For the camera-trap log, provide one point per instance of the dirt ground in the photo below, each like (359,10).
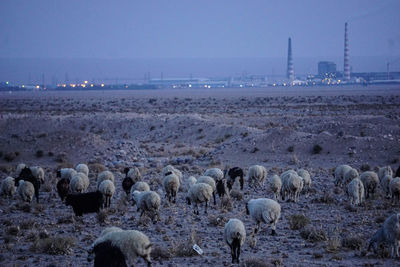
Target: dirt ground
(279,128)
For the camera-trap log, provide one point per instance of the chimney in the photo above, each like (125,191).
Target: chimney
(346,67)
(290,70)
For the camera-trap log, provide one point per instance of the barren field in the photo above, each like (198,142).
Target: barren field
(279,128)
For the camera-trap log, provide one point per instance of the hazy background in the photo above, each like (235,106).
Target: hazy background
(129,39)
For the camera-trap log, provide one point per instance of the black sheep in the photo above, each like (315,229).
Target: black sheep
(85,202)
(26,175)
(63,188)
(232,174)
(397,174)
(107,255)
(221,188)
(127,183)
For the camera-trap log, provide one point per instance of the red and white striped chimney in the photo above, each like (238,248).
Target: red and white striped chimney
(346,67)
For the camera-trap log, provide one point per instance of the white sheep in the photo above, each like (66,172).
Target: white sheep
(292,185)
(147,201)
(20,167)
(350,175)
(133,173)
(275,184)
(197,194)
(171,186)
(105,175)
(26,190)
(67,173)
(171,169)
(235,236)
(387,170)
(264,210)
(210,181)
(394,188)
(140,186)
(38,173)
(389,233)
(7,187)
(340,171)
(109,230)
(370,181)
(107,188)
(82,168)
(77,184)
(132,244)
(216,173)
(355,191)
(385,182)
(256,175)
(306,178)
(191,180)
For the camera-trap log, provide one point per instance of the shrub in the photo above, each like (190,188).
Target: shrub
(236,194)
(58,245)
(218,220)
(158,253)
(313,234)
(316,149)
(184,248)
(226,203)
(255,262)
(298,221)
(10,156)
(290,149)
(353,242)
(39,153)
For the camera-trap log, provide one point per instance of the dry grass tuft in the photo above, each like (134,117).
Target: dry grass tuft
(226,203)
(102,216)
(313,234)
(58,245)
(255,262)
(236,195)
(353,242)
(184,248)
(159,253)
(298,221)
(218,220)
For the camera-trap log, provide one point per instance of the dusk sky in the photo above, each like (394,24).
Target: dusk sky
(127,30)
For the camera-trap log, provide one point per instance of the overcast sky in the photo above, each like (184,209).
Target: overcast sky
(130,29)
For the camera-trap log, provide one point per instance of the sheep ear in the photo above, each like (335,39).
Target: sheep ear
(148,246)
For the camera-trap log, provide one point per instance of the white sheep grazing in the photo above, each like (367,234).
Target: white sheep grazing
(109,230)
(275,184)
(306,178)
(147,201)
(350,175)
(82,168)
(216,173)
(107,188)
(394,188)
(171,186)
(389,233)
(77,184)
(197,194)
(355,191)
(387,170)
(256,175)
(340,171)
(370,181)
(190,181)
(20,167)
(26,190)
(8,187)
(134,174)
(66,173)
(264,210)
(211,182)
(105,175)
(171,169)
(385,182)
(140,186)
(235,236)
(292,185)
(132,244)
(38,173)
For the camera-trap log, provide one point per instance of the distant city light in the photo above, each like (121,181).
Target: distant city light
(37,86)
(209,86)
(23,86)
(91,85)
(102,85)
(6,82)
(83,85)
(86,81)
(190,86)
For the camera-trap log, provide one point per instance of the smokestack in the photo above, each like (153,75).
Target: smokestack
(346,67)
(290,70)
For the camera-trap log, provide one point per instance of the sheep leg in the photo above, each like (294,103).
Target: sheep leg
(232,252)
(215,202)
(273,227)
(205,212)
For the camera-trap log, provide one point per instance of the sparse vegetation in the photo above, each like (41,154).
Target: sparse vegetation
(313,234)
(298,221)
(316,149)
(290,149)
(39,153)
(353,242)
(58,245)
(10,156)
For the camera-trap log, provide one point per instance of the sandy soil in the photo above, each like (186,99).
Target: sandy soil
(194,130)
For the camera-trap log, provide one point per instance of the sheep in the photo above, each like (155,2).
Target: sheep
(340,171)
(77,184)
(26,190)
(387,170)
(105,175)
(38,172)
(394,188)
(131,177)
(85,202)
(63,188)
(107,188)
(292,185)
(264,210)
(389,233)
(222,188)
(19,169)
(256,175)
(7,187)
(66,173)
(370,181)
(210,181)
(191,180)
(140,186)
(397,172)
(83,168)
(147,201)
(171,186)
(235,236)
(350,175)
(355,191)
(306,178)
(233,173)
(167,170)
(107,255)
(132,244)
(385,182)
(275,184)
(199,193)
(215,173)
(26,175)
(109,230)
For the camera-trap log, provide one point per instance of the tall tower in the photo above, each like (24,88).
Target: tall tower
(346,67)
(290,70)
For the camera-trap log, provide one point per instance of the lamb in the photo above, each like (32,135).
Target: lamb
(256,175)
(83,168)
(199,193)
(233,173)
(191,180)
(370,181)
(215,173)
(132,244)
(140,186)
(355,191)
(67,173)
(105,175)
(107,255)
(38,173)
(264,210)
(26,175)
(107,188)
(85,202)
(26,190)
(171,186)
(385,182)
(63,188)
(340,171)
(389,233)
(7,187)
(147,201)
(275,184)
(387,170)
(292,185)
(210,181)
(306,178)
(394,187)
(350,175)
(235,236)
